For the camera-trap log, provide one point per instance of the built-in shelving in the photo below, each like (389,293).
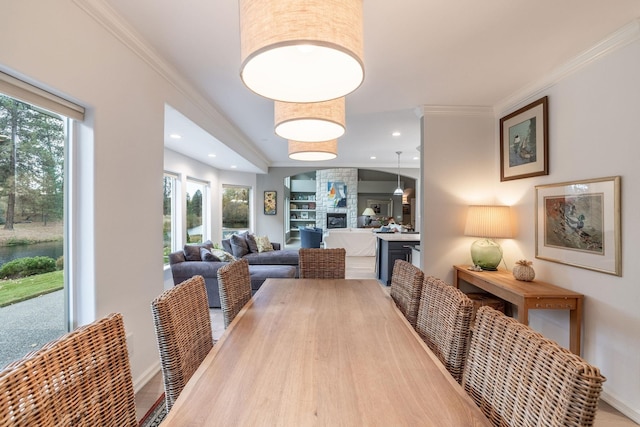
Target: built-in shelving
(302,205)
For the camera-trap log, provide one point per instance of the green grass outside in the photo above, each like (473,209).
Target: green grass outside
(16,290)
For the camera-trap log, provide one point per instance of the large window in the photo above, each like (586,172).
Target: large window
(169,215)
(32,214)
(236,210)
(196,210)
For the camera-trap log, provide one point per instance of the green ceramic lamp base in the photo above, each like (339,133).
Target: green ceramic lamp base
(486,254)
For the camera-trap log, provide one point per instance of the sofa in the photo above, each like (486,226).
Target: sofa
(356,241)
(189,262)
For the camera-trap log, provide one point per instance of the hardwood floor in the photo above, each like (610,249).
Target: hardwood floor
(356,268)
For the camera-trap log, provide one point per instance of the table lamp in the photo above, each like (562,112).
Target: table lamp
(488,222)
(368,212)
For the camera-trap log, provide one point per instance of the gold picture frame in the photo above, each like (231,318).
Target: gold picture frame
(578,224)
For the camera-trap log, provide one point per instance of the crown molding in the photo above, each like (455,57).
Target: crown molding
(108,18)
(617,40)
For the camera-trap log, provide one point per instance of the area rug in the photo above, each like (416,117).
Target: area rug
(155,415)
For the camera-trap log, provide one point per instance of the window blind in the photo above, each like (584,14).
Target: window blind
(30,94)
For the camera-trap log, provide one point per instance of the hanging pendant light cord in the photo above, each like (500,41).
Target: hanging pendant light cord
(398,153)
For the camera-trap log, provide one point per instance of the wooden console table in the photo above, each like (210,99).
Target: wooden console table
(527,296)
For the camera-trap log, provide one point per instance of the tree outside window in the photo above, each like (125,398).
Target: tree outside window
(235,210)
(32,181)
(196,192)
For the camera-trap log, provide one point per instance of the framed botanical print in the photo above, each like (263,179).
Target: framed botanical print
(270,202)
(578,224)
(524,142)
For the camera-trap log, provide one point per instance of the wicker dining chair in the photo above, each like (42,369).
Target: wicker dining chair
(406,287)
(519,378)
(322,263)
(234,286)
(80,379)
(183,333)
(444,320)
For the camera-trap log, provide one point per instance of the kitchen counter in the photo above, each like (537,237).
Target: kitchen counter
(389,248)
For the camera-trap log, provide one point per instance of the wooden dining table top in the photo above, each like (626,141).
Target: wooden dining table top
(322,352)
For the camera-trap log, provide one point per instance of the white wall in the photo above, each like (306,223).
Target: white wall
(62,47)
(593,122)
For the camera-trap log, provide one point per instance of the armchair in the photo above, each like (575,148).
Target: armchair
(310,237)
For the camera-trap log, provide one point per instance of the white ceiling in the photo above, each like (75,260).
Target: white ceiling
(417,53)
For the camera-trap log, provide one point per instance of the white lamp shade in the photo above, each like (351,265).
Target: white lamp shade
(310,122)
(301,51)
(313,151)
(368,212)
(489,221)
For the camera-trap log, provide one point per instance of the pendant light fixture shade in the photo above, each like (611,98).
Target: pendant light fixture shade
(310,122)
(398,191)
(313,151)
(301,51)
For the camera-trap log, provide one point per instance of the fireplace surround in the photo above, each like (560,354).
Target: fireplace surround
(336,220)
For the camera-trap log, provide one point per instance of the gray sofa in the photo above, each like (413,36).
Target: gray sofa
(188,262)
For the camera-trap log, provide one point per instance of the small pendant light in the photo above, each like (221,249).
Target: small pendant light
(398,191)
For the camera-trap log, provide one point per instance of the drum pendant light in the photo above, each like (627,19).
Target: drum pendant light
(310,122)
(313,151)
(301,50)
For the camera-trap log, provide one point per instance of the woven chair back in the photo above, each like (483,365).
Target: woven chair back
(81,379)
(406,287)
(183,332)
(519,378)
(322,263)
(234,286)
(444,320)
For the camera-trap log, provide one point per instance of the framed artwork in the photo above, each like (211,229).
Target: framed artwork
(578,224)
(337,194)
(524,142)
(304,215)
(381,207)
(270,202)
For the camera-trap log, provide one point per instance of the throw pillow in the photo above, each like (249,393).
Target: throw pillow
(251,242)
(226,245)
(264,245)
(239,246)
(223,255)
(192,252)
(206,255)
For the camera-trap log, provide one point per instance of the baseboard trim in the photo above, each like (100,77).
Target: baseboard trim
(142,380)
(621,406)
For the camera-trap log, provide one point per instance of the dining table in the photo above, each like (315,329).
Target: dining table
(322,352)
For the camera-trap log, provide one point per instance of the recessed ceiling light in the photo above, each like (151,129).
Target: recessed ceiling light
(212,155)
(416,158)
(372,157)
(396,134)
(233,166)
(175,136)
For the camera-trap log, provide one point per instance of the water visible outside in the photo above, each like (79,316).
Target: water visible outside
(49,249)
